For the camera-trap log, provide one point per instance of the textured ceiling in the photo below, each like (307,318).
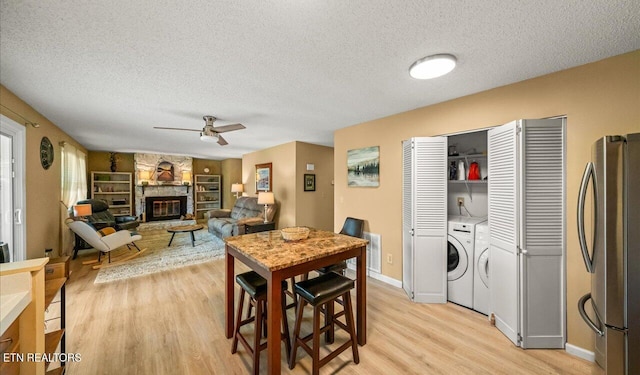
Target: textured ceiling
(106,72)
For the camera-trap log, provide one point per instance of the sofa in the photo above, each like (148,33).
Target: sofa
(224,223)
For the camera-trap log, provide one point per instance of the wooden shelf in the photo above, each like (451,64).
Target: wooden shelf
(479,182)
(206,182)
(111,192)
(51,288)
(51,341)
(470,156)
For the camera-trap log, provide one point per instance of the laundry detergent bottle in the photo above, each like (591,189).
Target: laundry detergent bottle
(461,170)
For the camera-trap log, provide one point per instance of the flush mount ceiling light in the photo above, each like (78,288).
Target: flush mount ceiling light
(432,66)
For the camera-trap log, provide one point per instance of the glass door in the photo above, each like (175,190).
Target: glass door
(12,231)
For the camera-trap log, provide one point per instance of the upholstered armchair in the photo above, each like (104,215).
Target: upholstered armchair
(102,218)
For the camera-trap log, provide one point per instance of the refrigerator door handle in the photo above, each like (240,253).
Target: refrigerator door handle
(588,175)
(585,317)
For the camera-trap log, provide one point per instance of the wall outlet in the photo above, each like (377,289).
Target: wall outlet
(460,201)
(389,259)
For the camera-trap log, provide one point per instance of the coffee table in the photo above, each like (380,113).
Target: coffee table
(183,229)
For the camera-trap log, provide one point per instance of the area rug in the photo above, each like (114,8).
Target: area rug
(160,257)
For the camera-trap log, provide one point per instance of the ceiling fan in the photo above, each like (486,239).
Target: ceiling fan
(210,133)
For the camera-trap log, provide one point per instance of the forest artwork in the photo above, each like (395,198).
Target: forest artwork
(363,166)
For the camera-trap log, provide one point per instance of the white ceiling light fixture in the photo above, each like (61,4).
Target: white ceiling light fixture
(432,66)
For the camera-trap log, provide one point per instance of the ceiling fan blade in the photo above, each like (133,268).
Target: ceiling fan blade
(228,128)
(222,141)
(190,130)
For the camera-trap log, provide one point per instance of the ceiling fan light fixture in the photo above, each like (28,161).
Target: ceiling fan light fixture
(212,138)
(432,66)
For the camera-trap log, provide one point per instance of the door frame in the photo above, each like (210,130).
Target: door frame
(18,133)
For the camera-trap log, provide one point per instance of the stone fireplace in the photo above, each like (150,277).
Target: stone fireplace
(161,193)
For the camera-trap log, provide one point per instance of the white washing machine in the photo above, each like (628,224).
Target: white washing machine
(460,267)
(481,269)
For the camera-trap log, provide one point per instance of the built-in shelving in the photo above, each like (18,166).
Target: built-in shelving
(207,193)
(116,189)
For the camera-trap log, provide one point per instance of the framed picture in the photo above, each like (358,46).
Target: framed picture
(263,177)
(309,182)
(363,167)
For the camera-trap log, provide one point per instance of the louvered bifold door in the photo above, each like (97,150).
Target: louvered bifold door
(407,218)
(542,233)
(429,181)
(503,224)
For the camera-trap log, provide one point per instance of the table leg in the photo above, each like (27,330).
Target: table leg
(193,240)
(361,296)
(274,312)
(171,240)
(228,292)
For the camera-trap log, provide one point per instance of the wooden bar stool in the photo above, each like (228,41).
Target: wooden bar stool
(317,292)
(256,286)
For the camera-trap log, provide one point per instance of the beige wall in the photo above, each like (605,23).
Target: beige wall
(295,207)
(43,190)
(314,208)
(232,173)
(599,98)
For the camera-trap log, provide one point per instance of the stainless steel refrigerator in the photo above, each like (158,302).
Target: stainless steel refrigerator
(613,257)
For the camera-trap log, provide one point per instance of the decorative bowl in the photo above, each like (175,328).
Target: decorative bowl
(294,233)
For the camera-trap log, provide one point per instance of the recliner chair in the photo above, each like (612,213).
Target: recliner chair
(102,218)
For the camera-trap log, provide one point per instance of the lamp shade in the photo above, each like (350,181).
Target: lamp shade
(82,210)
(237,188)
(186,176)
(145,175)
(265,198)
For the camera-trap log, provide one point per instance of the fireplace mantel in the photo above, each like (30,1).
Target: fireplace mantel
(162,186)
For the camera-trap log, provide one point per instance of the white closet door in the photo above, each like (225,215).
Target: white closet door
(542,233)
(407,218)
(429,182)
(503,221)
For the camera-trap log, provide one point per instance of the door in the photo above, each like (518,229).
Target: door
(407,218)
(542,215)
(503,220)
(12,198)
(429,219)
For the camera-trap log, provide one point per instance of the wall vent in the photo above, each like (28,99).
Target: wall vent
(374,253)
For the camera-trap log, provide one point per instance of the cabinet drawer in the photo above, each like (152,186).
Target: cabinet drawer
(58,296)
(52,325)
(53,311)
(11,337)
(57,268)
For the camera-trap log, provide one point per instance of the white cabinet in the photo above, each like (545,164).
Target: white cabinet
(424,219)
(116,189)
(207,193)
(526,220)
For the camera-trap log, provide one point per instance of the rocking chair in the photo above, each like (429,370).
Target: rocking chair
(109,241)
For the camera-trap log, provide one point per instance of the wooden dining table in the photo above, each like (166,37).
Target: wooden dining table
(276,259)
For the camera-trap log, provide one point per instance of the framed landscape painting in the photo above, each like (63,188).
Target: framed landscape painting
(263,177)
(363,167)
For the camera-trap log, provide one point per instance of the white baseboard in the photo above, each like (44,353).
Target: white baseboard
(580,352)
(380,277)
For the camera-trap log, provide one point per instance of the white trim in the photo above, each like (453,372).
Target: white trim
(378,276)
(18,132)
(580,352)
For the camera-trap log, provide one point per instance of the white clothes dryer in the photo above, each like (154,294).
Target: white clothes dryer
(481,269)
(461,242)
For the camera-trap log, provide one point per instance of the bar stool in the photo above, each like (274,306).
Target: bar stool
(256,286)
(317,292)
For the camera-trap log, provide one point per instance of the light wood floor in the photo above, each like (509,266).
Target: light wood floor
(173,323)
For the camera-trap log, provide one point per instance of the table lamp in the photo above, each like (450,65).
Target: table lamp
(145,176)
(238,189)
(82,211)
(266,198)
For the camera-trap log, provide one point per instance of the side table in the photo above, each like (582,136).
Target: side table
(259,227)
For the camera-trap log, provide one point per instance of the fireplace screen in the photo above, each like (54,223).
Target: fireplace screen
(166,208)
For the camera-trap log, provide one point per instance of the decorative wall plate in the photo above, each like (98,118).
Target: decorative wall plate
(46,153)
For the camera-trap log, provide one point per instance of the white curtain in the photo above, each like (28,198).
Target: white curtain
(74,187)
